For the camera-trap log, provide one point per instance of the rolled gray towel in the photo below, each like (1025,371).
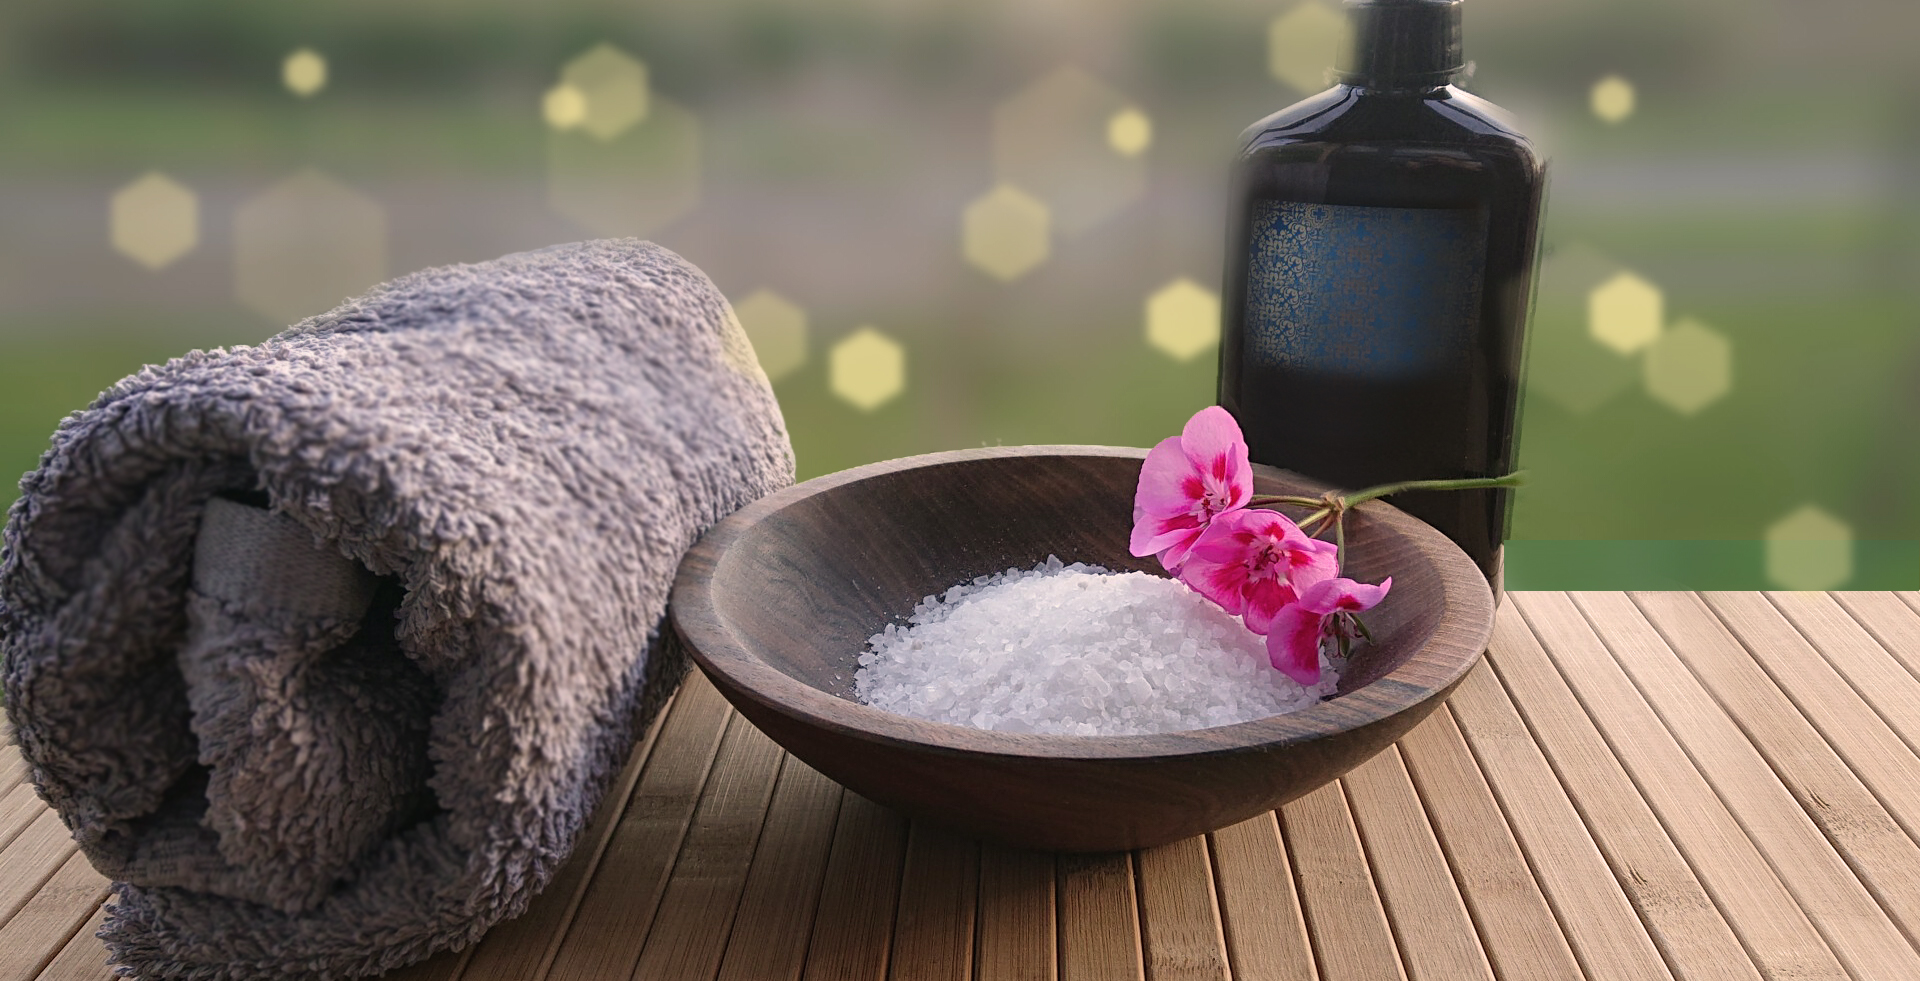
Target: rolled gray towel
(333,738)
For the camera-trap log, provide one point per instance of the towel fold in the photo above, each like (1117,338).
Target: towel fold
(333,735)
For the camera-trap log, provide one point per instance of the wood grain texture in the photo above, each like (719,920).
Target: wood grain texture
(84,958)
(31,859)
(1671,844)
(1600,924)
(522,949)
(1352,940)
(933,931)
(1179,913)
(778,599)
(1099,918)
(44,925)
(1877,677)
(689,934)
(1016,932)
(13,766)
(444,966)
(769,939)
(1517,929)
(606,934)
(1259,910)
(853,925)
(1430,923)
(1893,623)
(18,809)
(1808,761)
(1841,906)
(1792,673)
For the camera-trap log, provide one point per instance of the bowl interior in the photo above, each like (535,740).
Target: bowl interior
(806,576)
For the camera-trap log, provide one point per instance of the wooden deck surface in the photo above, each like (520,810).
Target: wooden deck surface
(1633,786)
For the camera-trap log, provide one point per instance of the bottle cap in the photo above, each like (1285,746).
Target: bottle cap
(1401,43)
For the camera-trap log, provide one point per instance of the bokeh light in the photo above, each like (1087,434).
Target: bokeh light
(154,220)
(1809,549)
(1183,319)
(1052,140)
(611,88)
(1129,132)
(1006,232)
(1612,99)
(634,184)
(305,244)
(1625,313)
(867,369)
(778,329)
(304,72)
(1566,363)
(1304,43)
(1690,367)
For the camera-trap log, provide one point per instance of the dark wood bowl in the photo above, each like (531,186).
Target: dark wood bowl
(777,601)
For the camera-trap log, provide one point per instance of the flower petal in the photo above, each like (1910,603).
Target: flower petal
(1213,443)
(1224,583)
(1293,644)
(1165,478)
(1343,595)
(1265,599)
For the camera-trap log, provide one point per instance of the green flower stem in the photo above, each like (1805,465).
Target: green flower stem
(1332,507)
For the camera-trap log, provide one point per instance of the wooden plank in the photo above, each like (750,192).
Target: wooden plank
(444,966)
(1517,929)
(1352,940)
(1430,924)
(853,926)
(1708,897)
(606,934)
(1827,790)
(17,810)
(1855,927)
(31,860)
(1877,677)
(43,926)
(1260,914)
(1016,931)
(84,958)
(1791,674)
(1099,919)
(689,934)
(1893,623)
(522,949)
(1180,936)
(939,890)
(769,939)
(13,766)
(1600,924)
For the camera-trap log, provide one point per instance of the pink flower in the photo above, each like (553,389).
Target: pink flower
(1186,482)
(1254,563)
(1327,606)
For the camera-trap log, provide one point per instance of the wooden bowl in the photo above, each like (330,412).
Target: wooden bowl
(777,601)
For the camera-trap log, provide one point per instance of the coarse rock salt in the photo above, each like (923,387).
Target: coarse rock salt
(1077,650)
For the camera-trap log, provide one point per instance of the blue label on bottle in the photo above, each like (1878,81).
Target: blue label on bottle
(1365,292)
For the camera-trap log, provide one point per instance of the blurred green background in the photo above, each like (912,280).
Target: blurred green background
(953,224)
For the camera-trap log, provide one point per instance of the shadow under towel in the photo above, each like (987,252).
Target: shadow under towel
(326,649)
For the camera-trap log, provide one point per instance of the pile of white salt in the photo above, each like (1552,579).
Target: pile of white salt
(1077,650)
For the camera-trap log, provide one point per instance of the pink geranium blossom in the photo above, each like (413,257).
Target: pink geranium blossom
(1327,606)
(1254,563)
(1186,482)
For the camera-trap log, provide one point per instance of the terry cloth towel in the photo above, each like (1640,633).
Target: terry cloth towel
(330,736)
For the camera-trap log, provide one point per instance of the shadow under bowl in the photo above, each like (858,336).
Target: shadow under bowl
(777,601)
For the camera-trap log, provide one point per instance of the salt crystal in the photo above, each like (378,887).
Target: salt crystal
(1077,650)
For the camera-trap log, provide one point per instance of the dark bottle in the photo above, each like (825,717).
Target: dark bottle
(1380,254)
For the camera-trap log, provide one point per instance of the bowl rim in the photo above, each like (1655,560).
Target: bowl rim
(1454,648)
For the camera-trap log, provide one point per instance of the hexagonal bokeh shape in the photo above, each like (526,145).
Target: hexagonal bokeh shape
(1005,232)
(635,184)
(778,329)
(563,107)
(867,369)
(1183,319)
(1612,99)
(613,90)
(306,243)
(1564,363)
(1052,140)
(1809,549)
(154,220)
(304,72)
(1625,313)
(1304,43)
(1690,367)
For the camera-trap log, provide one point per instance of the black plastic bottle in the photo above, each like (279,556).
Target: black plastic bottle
(1380,255)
